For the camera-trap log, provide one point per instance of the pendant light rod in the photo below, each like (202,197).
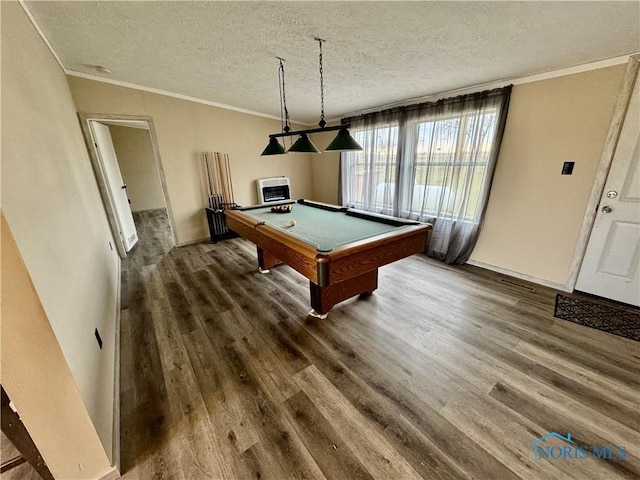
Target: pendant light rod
(322,123)
(283,97)
(313,130)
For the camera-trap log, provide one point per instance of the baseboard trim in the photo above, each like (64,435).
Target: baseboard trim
(112,474)
(191,242)
(145,210)
(521,276)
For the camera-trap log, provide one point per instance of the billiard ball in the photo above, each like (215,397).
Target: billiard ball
(293,223)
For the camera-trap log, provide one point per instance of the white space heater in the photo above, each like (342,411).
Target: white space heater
(273,189)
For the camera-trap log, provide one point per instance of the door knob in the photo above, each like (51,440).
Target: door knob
(607,209)
(124,186)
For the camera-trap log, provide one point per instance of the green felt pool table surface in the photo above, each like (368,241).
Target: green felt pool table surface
(324,229)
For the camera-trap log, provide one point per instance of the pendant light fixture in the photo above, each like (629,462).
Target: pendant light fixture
(274,147)
(343,141)
(303,145)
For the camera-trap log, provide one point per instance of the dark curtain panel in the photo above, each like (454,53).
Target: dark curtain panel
(432,162)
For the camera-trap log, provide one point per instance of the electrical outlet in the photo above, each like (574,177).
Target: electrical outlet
(567,168)
(98,338)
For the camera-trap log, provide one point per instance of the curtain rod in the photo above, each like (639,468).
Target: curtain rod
(415,106)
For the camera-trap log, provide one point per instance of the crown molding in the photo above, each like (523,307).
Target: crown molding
(157,91)
(585,67)
(41,33)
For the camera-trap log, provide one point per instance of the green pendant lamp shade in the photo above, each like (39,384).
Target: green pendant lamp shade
(274,147)
(303,145)
(343,142)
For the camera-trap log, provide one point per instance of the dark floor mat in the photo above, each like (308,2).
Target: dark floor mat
(618,320)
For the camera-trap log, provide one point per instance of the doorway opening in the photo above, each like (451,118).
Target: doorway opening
(130,176)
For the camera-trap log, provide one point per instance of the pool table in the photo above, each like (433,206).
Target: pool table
(337,248)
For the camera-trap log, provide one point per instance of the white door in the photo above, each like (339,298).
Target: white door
(116,187)
(610,267)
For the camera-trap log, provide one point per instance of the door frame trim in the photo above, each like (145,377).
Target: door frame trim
(96,163)
(608,151)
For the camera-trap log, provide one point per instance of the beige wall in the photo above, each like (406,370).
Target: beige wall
(184,129)
(535,214)
(325,169)
(138,167)
(52,205)
(37,379)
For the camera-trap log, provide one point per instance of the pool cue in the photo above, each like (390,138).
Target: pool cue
(219,173)
(208,179)
(225,182)
(212,180)
(228,163)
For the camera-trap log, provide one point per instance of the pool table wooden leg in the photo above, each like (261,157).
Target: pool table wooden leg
(324,298)
(266,260)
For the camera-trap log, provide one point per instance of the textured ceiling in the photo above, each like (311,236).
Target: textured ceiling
(375,53)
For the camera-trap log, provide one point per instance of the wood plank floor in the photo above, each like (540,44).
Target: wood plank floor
(443,373)
(24,471)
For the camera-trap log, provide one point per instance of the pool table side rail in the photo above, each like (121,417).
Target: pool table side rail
(294,252)
(381,218)
(368,254)
(323,206)
(271,204)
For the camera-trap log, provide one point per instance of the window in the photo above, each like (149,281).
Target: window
(373,171)
(450,165)
(433,162)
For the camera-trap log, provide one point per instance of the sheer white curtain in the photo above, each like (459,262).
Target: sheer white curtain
(432,162)
(369,177)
